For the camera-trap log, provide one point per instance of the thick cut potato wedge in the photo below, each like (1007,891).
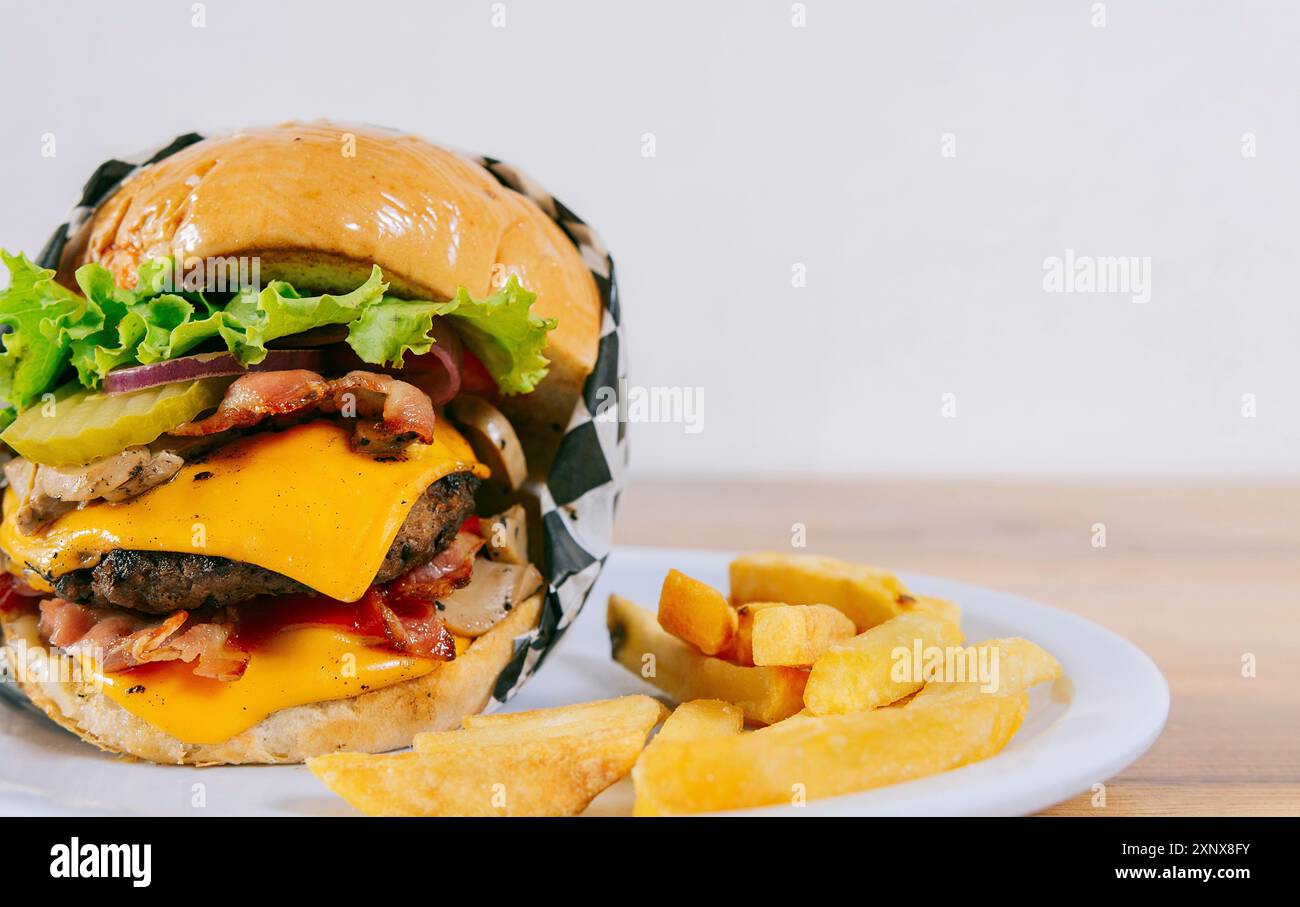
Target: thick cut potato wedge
(1019,665)
(696,612)
(741,650)
(700,719)
(794,635)
(868,595)
(809,758)
(863,673)
(638,643)
(591,717)
(931,605)
(787,723)
(552,762)
(551,776)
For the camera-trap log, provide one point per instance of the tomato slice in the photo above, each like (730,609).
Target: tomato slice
(475,378)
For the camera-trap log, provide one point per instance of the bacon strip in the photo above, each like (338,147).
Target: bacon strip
(119,640)
(257,396)
(15,595)
(417,630)
(401,408)
(451,569)
(209,644)
(398,412)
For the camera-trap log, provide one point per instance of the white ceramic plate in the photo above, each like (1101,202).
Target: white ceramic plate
(1118,708)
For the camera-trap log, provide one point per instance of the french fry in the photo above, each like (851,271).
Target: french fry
(931,605)
(863,672)
(552,762)
(696,612)
(556,776)
(765,694)
(786,723)
(632,711)
(826,757)
(868,595)
(1019,665)
(741,649)
(794,635)
(700,719)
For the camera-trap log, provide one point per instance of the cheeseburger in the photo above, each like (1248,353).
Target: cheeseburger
(270,428)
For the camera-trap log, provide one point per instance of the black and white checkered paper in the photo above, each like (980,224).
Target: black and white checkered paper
(581,492)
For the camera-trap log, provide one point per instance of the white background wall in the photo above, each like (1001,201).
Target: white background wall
(821,145)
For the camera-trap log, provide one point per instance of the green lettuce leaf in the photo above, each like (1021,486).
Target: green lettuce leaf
(168,325)
(44,319)
(386,332)
(500,330)
(54,329)
(252,319)
(506,335)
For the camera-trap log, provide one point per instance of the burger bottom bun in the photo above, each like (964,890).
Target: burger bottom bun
(373,722)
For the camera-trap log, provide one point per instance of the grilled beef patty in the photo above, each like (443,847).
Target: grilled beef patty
(159,582)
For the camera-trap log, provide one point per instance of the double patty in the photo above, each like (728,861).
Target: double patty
(160,582)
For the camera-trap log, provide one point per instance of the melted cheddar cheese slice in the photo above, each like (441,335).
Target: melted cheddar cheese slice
(295,667)
(299,502)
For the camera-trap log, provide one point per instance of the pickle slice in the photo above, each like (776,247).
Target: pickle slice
(79,426)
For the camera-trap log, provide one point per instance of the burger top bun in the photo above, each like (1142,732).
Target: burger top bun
(319,203)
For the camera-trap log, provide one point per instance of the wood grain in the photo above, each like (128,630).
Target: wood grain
(1198,575)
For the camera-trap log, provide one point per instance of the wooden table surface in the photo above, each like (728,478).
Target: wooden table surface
(1198,575)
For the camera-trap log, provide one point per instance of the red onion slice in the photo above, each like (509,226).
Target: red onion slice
(205,365)
(438,371)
